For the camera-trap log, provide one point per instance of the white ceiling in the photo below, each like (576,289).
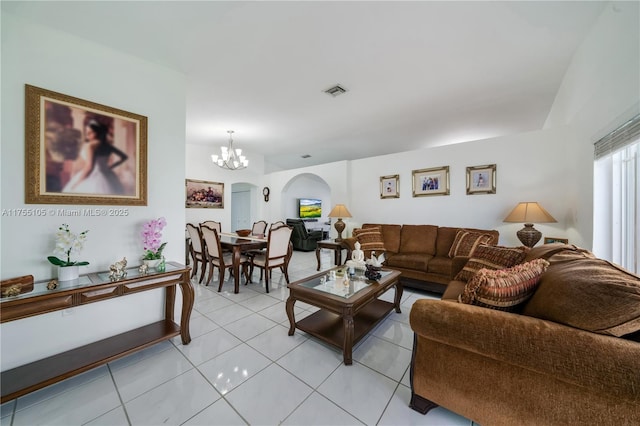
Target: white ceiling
(418,74)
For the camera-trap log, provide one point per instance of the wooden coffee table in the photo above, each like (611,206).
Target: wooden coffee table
(346,314)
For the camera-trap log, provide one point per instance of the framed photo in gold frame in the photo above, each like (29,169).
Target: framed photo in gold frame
(481,179)
(81,152)
(204,194)
(389,186)
(434,181)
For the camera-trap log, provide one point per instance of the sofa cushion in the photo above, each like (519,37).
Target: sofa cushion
(416,261)
(491,257)
(418,239)
(504,289)
(370,239)
(467,241)
(440,265)
(588,293)
(564,252)
(446,236)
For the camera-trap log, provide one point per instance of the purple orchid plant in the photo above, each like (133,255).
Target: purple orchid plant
(151,236)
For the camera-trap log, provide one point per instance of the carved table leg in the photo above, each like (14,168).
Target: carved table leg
(398,298)
(236,269)
(292,321)
(188,298)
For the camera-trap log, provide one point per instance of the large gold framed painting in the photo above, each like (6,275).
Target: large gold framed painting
(81,152)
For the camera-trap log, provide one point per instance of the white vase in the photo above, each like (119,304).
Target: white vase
(152,263)
(68,273)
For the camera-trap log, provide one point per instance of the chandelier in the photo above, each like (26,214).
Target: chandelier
(229,158)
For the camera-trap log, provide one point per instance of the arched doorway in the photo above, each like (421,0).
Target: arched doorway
(307,186)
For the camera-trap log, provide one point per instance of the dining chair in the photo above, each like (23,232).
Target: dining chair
(212,224)
(277,255)
(259,228)
(276,224)
(196,248)
(216,258)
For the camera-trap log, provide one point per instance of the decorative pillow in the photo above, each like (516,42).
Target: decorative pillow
(491,257)
(504,289)
(370,239)
(588,293)
(466,242)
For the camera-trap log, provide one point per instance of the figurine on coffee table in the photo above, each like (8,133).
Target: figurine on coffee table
(357,258)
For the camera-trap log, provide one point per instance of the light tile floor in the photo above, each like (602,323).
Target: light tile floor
(242,368)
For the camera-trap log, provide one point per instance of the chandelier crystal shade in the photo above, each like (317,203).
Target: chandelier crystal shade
(230,158)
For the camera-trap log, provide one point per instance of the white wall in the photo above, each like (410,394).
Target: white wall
(600,91)
(529,168)
(53,60)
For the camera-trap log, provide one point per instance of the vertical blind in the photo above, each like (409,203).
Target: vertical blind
(616,200)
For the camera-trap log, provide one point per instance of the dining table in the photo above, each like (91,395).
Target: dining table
(237,245)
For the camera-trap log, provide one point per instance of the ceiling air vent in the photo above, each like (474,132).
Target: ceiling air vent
(335,90)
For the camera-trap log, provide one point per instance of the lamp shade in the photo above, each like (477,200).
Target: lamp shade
(340,210)
(529,212)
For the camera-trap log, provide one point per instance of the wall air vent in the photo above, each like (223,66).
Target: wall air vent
(335,90)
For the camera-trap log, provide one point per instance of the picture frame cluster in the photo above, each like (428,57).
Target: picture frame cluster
(435,181)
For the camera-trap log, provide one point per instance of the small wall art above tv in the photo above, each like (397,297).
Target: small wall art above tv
(309,208)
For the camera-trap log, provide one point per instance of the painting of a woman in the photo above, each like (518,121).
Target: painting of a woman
(94,174)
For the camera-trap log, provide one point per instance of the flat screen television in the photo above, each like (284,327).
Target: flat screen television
(309,208)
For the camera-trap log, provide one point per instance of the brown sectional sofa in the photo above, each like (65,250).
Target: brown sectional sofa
(568,355)
(421,253)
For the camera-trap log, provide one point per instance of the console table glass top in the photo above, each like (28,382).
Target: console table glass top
(90,279)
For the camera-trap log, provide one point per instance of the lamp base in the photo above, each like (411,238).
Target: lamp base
(529,236)
(339,225)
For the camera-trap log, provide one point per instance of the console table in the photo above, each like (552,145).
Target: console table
(91,288)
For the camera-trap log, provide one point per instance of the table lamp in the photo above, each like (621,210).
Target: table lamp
(339,211)
(529,212)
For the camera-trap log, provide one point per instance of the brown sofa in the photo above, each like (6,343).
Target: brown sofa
(421,253)
(570,354)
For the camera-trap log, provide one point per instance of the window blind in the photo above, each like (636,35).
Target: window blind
(624,135)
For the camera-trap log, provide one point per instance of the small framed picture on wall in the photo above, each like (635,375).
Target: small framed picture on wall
(481,179)
(434,181)
(389,186)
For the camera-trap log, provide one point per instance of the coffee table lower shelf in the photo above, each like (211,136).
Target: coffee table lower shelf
(329,326)
(38,374)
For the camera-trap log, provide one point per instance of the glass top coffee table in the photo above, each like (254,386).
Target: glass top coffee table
(347,313)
